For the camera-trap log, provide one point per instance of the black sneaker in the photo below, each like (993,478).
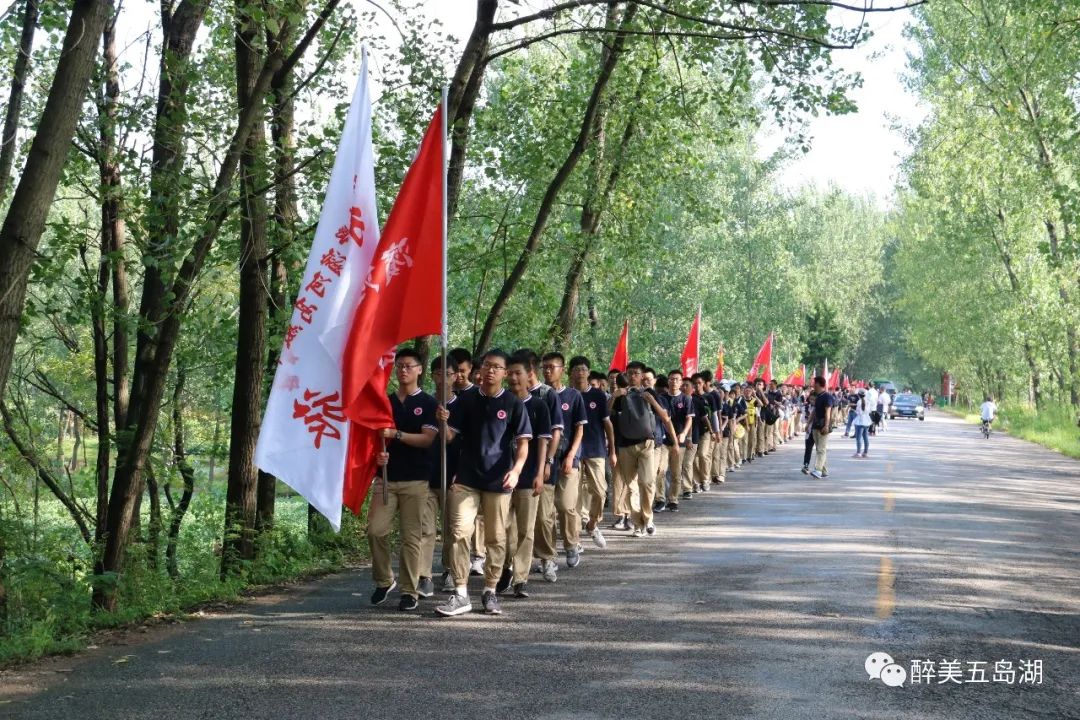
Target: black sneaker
(805,469)
(659,506)
(673,507)
(379,596)
(407,603)
(520,591)
(504,581)
(491,603)
(687,495)
(425,588)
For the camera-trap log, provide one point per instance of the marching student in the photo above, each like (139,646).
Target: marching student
(750,400)
(521,526)
(494,429)
(689,441)
(568,456)
(635,414)
(760,426)
(544,535)
(433,507)
(597,445)
(465,376)
(706,432)
(407,459)
(666,451)
(682,419)
(723,446)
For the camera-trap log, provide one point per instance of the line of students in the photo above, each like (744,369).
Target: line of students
(529,462)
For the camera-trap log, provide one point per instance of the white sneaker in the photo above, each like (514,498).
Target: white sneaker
(550,570)
(638,532)
(650,529)
(598,538)
(476,567)
(816,473)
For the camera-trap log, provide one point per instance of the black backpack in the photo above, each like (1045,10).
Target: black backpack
(636,420)
(769,415)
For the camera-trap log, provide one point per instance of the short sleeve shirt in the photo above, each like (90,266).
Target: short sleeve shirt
(572,407)
(540,420)
(551,399)
(411,415)
(593,444)
(488,427)
(682,407)
(822,403)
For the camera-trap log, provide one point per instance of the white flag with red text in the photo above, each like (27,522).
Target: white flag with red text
(304,438)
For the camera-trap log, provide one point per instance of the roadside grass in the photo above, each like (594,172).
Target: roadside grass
(1054,426)
(48,572)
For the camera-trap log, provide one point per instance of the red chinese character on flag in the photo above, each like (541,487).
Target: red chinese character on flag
(291,334)
(318,414)
(354,230)
(307,312)
(333,261)
(318,284)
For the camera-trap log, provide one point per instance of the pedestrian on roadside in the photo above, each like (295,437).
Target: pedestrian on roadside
(862,425)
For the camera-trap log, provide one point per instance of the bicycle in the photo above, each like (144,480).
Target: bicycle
(986,429)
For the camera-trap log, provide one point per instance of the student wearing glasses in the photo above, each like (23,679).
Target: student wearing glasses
(408,462)
(494,429)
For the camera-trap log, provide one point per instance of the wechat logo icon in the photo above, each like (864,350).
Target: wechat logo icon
(880,666)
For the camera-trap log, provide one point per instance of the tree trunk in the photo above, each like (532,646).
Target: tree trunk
(61,432)
(112,223)
(151,368)
(76,431)
(216,442)
(241,498)
(153,535)
(18,83)
(597,193)
(25,219)
(186,472)
(282,233)
(610,59)
(461,97)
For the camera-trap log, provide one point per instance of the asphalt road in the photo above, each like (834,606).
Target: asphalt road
(761,600)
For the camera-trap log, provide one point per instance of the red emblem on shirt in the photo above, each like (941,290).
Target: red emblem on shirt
(501,414)
(566,406)
(417,412)
(592,405)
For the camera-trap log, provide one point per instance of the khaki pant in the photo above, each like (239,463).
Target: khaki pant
(662,458)
(762,436)
(620,490)
(721,449)
(566,506)
(821,442)
(703,461)
(407,500)
(466,505)
(734,456)
(686,469)
(432,511)
(544,534)
(477,542)
(774,435)
(750,442)
(594,486)
(638,471)
(520,531)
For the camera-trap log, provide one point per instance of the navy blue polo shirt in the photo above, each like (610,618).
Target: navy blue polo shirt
(701,417)
(488,427)
(572,407)
(412,415)
(551,399)
(728,411)
(540,420)
(682,407)
(593,444)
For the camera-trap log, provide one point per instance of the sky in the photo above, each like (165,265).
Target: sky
(859,152)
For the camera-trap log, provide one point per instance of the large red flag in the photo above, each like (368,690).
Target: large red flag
(762,362)
(719,375)
(797,378)
(402,299)
(845,384)
(622,351)
(833,381)
(692,349)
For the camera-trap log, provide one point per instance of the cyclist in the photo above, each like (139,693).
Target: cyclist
(987,411)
